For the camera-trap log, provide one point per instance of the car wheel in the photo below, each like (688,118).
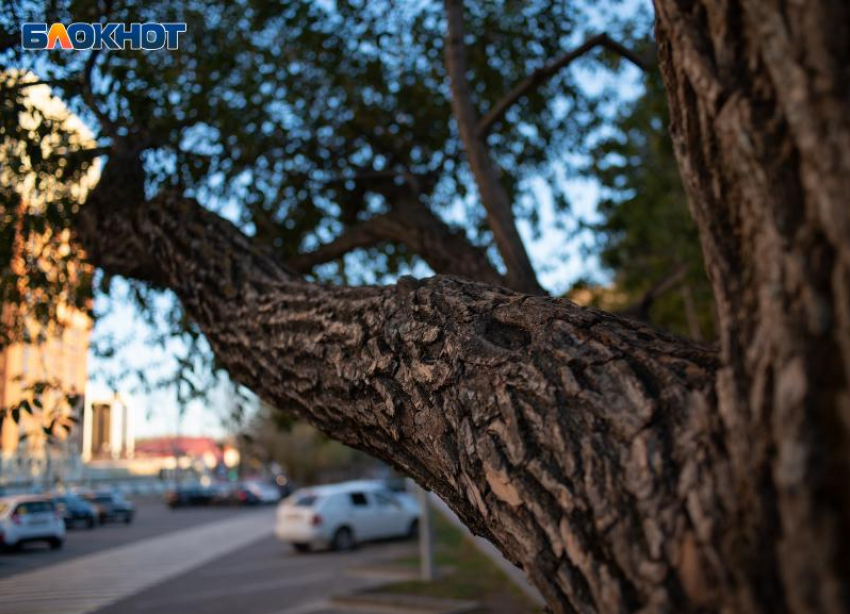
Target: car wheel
(128,518)
(56,543)
(413,530)
(302,548)
(343,539)
(90,523)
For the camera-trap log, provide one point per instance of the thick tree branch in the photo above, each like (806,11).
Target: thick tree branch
(494,197)
(580,443)
(542,75)
(447,251)
(121,187)
(365,234)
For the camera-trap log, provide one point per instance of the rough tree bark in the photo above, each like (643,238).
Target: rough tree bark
(759,99)
(625,470)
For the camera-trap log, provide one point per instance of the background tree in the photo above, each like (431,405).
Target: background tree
(647,237)
(624,469)
(306,455)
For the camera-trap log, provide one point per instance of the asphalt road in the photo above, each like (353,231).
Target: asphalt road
(152,519)
(199,560)
(265,577)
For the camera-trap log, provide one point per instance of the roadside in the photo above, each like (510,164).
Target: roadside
(516,575)
(463,573)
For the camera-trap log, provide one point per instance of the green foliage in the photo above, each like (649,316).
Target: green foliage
(306,455)
(464,572)
(297,119)
(39,194)
(285,106)
(52,409)
(646,232)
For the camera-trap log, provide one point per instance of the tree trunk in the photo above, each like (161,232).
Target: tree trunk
(625,470)
(760,118)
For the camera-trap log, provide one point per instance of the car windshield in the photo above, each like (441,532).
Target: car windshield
(305,501)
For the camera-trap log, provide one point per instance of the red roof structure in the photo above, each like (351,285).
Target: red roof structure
(178,446)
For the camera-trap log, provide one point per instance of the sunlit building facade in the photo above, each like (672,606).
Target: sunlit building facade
(27,453)
(45,365)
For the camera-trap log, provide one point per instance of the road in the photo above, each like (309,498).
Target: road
(153,519)
(205,561)
(262,578)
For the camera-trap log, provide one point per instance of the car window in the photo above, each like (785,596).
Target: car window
(385,500)
(104,499)
(358,499)
(306,501)
(33,507)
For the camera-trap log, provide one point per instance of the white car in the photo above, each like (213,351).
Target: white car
(30,518)
(263,492)
(338,516)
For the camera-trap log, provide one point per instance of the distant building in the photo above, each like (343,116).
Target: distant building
(185,457)
(108,429)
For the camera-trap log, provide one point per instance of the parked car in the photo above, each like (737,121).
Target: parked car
(189,494)
(225,493)
(261,492)
(285,487)
(30,518)
(75,511)
(111,506)
(249,493)
(340,516)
